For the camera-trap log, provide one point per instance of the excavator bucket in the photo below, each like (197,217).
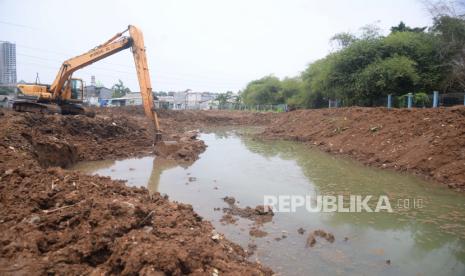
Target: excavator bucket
(158,137)
(142,68)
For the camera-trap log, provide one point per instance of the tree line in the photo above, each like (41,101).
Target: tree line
(365,68)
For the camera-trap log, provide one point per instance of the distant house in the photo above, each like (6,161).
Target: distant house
(96,95)
(193,100)
(187,99)
(132,98)
(179,100)
(165,102)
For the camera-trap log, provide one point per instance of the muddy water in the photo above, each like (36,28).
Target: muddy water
(409,241)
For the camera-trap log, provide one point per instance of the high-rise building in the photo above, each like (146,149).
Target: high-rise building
(7,63)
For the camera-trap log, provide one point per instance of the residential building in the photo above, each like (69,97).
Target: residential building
(131,98)
(93,95)
(193,100)
(7,63)
(165,102)
(186,100)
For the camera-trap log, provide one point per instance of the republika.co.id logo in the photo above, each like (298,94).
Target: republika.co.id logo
(340,203)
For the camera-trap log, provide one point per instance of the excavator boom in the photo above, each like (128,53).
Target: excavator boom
(140,59)
(60,92)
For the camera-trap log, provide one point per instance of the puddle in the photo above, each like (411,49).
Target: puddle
(415,241)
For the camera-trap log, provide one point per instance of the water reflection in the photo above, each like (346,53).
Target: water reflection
(429,241)
(159,166)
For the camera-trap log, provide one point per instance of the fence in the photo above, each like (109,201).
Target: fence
(419,100)
(258,107)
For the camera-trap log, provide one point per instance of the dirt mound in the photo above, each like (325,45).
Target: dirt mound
(55,221)
(62,222)
(54,153)
(184,147)
(426,142)
(176,120)
(76,137)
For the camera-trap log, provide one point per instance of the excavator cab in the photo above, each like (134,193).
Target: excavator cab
(77,89)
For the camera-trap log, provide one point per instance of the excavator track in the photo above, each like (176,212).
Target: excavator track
(44,108)
(34,107)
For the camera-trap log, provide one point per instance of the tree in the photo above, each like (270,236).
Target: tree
(290,88)
(223,98)
(370,31)
(393,75)
(343,39)
(451,31)
(119,90)
(366,68)
(4,90)
(263,91)
(404,28)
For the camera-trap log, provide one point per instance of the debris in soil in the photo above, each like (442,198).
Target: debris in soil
(230,200)
(251,248)
(56,221)
(259,214)
(323,234)
(256,232)
(216,236)
(301,231)
(283,236)
(311,239)
(228,219)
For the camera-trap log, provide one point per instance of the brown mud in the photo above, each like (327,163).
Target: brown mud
(426,142)
(56,221)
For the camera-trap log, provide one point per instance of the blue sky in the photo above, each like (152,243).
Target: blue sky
(204,45)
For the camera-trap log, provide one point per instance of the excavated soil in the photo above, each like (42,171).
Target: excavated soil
(426,142)
(429,143)
(56,221)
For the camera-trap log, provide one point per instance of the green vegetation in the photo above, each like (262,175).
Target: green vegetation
(4,90)
(224,98)
(119,90)
(366,68)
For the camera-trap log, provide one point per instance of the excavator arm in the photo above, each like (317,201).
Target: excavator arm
(114,45)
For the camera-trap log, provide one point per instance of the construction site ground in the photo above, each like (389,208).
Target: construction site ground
(58,221)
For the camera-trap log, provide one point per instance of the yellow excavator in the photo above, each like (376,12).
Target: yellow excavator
(65,95)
